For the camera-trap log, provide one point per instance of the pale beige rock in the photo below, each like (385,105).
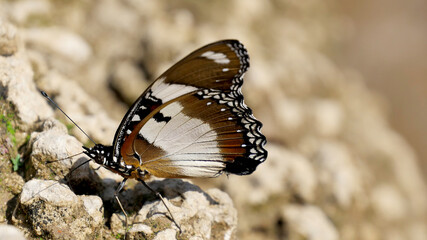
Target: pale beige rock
(59,43)
(337,173)
(139,228)
(8,39)
(165,235)
(309,222)
(8,232)
(285,171)
(328,117)
(48,190)
(129,81)
(53,210)
(388,203)
(290,115)
(17,86)
(93,205)
(21,11)
(83,109)
(201,215)
(52,143)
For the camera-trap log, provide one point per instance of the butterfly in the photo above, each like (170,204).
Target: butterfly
(191,122)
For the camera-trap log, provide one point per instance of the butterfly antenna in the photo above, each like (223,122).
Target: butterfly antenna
(56,105)
(58,160)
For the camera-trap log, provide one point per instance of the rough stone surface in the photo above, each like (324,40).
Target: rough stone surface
(8,39)
(52,143)
(309,222)
(165,234)
(81,107)
(205,215)
(16,78)
(60,42)
(54,211)
(8,232)
(128,80)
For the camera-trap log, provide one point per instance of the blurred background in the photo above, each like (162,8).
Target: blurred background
(387,45)
(339,86)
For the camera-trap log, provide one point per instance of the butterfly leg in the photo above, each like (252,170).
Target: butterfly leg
(116,195)
(163,201)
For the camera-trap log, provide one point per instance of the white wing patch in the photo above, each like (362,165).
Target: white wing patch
(151,129)
(165,91)
(189,143)
(219,58)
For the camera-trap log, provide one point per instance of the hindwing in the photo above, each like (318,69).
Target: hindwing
(192,121)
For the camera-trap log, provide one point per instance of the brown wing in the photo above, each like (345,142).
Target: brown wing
(193,137)
(214,66)
(217,66)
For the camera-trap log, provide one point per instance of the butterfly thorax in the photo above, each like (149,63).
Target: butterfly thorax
(103,155)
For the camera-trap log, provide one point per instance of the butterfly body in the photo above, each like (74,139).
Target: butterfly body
(190,122)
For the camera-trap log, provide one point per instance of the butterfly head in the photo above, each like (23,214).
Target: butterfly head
(103,155)
(99,153)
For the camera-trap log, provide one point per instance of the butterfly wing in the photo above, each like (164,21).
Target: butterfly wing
(192,121)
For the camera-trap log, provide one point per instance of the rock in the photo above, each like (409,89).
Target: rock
(52,144)
(8,39)
(14,183)
(16,83)
(308,222)
(285,172)
(290,116)
(165,234)
(22,11)
(83,109)
(94,207)
(10,232)
(65,153)
(48,191)
(337,173)
(54,211)
(60,44)
(205,214)
(328,117)
(138,228)
(201,215)
(128,81)
(388,203)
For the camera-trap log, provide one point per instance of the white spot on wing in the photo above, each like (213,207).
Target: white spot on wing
(136,118)
(219,58)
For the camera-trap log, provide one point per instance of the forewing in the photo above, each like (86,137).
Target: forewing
(218,66)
